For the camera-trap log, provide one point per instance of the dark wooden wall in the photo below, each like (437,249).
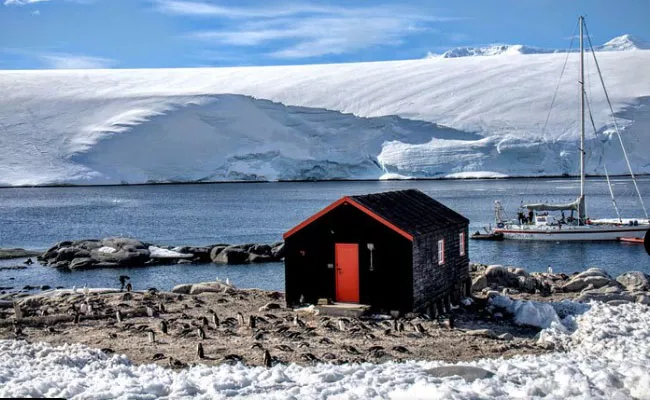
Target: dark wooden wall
(432,283)
(388,287)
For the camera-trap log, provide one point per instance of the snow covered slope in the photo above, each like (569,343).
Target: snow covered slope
(468,116)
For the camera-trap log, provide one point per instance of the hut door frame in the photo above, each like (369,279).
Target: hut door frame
(346,273)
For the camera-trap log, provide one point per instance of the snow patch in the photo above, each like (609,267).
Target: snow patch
(607,357)
(106,250)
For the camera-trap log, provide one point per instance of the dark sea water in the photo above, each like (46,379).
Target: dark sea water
(261,212)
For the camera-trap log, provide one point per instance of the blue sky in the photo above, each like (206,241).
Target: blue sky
(37,34)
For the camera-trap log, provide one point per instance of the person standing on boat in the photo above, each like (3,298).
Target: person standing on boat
(520,217)
(531,215)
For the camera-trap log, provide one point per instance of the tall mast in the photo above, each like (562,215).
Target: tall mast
(581,210)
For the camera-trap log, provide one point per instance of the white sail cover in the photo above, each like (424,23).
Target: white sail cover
(554,207)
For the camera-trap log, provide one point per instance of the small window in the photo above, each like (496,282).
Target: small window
(461,236)
(441,251)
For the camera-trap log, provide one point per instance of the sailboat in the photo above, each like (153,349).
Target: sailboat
(534,221)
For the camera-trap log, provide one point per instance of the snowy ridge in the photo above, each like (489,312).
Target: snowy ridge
(625,43)
(607,356)
(620,43)
(455,117)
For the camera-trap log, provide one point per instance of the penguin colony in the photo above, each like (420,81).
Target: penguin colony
(272,333)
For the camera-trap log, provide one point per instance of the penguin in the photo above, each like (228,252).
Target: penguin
(152,337)
(129,287)
(173,363)
(118,316)
(150,312)
(419,328)
(395,324)
(251,322)
(163,326)
(400,327)
(199,351)
(204,321)
(267,361)
(341,325)
(123,279)
(77,318)
(215,321)
(200,333)
(298,322)
(161,308)
(28,262)
(240,319)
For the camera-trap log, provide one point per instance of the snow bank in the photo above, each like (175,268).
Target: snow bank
(608,357)
(538,314)
(467,117)
(158,252)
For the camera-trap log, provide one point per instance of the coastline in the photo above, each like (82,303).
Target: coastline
(512,178)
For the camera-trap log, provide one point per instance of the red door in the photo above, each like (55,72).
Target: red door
(347,272)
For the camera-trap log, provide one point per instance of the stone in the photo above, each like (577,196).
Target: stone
(182,289)
(469,374)
(506,336)
(598,281)
(231,255)
(634,281)
(260,258)
(527,283)
(277,251)
(214,252)
(604,297)
(489,333)
(643,299)
(269,306)
(213,287)
(183,261)
(80,263)
(479,283)
(119,243)
(617,302)
(127,255)
(261,249)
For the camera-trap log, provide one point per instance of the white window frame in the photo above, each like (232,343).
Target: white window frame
(461,236)
(441,252)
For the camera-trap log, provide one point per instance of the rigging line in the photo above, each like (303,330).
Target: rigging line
(557,87)
(618,133)
(609,183)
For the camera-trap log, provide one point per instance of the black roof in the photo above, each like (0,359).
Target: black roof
(411,210)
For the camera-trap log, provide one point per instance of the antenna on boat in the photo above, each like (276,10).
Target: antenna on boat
(581,205)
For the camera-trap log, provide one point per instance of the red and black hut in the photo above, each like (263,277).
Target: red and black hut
(399,250)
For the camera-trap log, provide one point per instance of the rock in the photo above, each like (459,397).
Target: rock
(201,254)
(643,299)
(469,374)
(489,333)
(634,281)
(127,255)
(277,251)
(214,252)
(479,283)
(182,289)
(231,255)
(269,306)
(604,297)
(119,243)
(183,261)
(214,287)
(6,254)
(506,336)
(45,287)
(80,263)
(527,283)
(260,258)
(617,302)
(262,249)
(500,276)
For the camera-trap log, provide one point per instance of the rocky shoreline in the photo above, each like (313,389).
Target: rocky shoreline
(119,252)
(594,284)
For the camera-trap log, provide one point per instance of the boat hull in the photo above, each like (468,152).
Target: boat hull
(572,233)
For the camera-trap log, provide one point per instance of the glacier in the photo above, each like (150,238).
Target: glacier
(459,117)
